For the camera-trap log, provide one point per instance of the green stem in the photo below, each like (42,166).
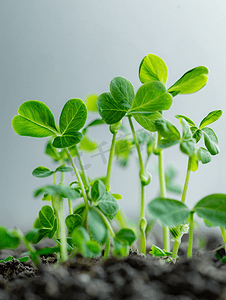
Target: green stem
(142,195)
(63,240)
(120,217)
(190,239)
(70,207)
(162,182)
(107,248)
(176,248)
(110,161)
(82,168)
(224,237)
(79,180)
(186,180)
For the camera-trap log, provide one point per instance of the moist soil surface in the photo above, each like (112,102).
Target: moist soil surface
(134,277)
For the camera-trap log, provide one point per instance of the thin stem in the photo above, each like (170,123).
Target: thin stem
(82,167)
(107,248)
(79,180)
(176,248)
(190,239)
(110,160)
(63,242)
(120,217)
(162,182)
(70,207)
(224,237)
(142,195)
(186,180)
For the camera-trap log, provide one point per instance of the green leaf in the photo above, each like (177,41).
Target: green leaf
(73,116)
(194,162)
(98,190)
(117,196)
(110,109)
(210,118)
(7,259)
(213,209)
(91,102)
(46,216)
(125,236)
(203,155)
(58,190)
(23,259)
(188,146)
(51,151)
(153,68)
(8,239)
(93,123)
(42,172)
(35,120)
(147,120)
(119,248)
(191,82)
(47,250)
(31,234)
(210,140)
(108,205)
(190,122)
(87,144)
(73,221)
(93,247)
(41,234)
(187,134)
(156,251)
(47,197)
(54,229)
(97,227)
(63,168)
(122,91)
(170,212)
(68,139)
(151,97)
(164,143)
(123,148)
(167,130)
(197,134)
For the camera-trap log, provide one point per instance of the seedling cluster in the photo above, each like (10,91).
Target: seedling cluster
(87,227)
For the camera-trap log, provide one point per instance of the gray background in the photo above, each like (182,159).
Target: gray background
(54,50)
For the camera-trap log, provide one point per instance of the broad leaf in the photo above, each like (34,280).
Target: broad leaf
(151,97)
(167,130)
(108,205)
(8,239)
(87,144)
(190,122)
(68,139)
(46,216)
(91,102)
(122,91)
(98,190)
(213,209)
(35,120)
(170,212)
(125,236)
(153,68)
(188,146)
(73,116)
(41,234)
(197,134)
(63,169)
(210,140)
(93,247)
(31,234)
(203,155)
(97,226)
(147,120)
(73,221)
(191,82)
(210,118)
(42,172)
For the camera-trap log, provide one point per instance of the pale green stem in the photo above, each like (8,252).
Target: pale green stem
(29,246)
(107,248)
(55,210)
(186,180)
(120,217)
(190,239)
(142,196)
(176,248)
(224,237)
(82,168)
(162,182)
(70,207)
(63,241)
(110,161)
(79,180)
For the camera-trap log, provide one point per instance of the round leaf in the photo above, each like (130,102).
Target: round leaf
(108,205)
(153,68)
(63,168)
(203,155)
(42,172)
(167,130)
(213,209)
(170,212)
(73,221)
(122,91)
(125,236)
(46,216)
(188,146)
(35,119)
(191,82)
(68,139)
(73,116)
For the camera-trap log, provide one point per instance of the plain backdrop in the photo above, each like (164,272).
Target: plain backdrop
(54,50)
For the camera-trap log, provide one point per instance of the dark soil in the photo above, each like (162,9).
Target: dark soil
(133,278)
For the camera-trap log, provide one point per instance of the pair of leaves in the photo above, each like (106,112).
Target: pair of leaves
(150,98)
(171,136)
(172,212)
(210,138)
(35,119)
(48,222)
(87,247)
(104,200)
(9,258)
(45,172)
(153,68)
